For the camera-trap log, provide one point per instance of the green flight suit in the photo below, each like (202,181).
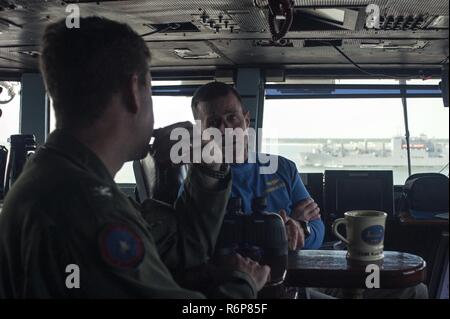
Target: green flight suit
(65,209)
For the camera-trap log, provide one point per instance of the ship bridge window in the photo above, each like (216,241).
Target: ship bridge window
(171,104)
(357,125)
(9,110)
(429,128)
(167,110)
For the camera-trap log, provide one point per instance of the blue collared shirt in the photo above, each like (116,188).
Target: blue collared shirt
(283,190)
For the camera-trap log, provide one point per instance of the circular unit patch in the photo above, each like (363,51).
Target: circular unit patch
(121,247)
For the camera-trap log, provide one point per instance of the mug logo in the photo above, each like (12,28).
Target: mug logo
(373,235)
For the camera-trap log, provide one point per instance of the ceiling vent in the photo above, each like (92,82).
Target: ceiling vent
(188,54)
(396,46)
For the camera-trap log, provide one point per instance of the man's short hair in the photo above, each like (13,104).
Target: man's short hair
(211,91)
(83,67)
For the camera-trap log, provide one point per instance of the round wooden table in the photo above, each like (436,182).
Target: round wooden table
(331,269)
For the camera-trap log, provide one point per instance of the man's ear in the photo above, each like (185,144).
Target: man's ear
(132,94)
(247,118)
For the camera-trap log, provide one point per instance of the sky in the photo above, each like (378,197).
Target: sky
(354,118)
(338,118)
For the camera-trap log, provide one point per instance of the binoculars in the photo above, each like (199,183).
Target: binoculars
(260,236)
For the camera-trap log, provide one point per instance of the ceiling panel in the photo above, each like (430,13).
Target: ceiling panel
(22,23)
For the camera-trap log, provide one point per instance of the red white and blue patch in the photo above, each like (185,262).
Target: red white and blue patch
(121,247)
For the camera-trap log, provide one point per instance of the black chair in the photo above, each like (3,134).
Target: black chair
(430,201)
(158,181)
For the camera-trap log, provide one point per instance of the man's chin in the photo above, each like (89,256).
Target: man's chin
(239,156)
(144,152)
(141,154)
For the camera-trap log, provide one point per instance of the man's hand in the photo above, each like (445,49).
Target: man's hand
(306,210)
(212,157)
(295,233)
(260,274)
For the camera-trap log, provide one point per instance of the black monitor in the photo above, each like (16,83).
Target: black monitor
(358,190)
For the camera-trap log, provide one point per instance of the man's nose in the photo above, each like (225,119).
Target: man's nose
(222,127)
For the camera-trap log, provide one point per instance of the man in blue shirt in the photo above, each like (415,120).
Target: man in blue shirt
(218,105)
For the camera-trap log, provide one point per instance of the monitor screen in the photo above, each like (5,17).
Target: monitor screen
(358,190)
(359,193)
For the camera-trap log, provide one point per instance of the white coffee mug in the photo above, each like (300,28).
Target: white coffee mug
(365,234)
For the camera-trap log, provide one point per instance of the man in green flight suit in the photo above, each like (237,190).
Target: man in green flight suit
(66,230)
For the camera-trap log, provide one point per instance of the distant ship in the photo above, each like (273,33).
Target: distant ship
(424,152)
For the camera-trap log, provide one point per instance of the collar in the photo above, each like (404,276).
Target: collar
(246,166)
(68,146)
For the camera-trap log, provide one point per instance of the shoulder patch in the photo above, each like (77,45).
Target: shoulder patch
(120,246)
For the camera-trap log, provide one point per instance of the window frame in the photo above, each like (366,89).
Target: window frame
(402,91)
(316,91)
(18,79)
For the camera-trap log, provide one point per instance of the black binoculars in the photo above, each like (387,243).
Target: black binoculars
(260,236)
